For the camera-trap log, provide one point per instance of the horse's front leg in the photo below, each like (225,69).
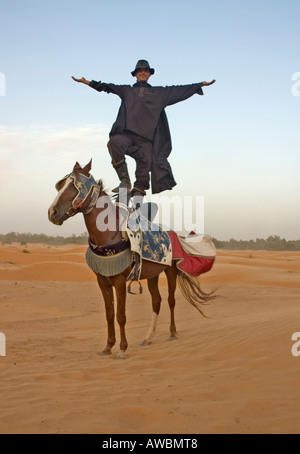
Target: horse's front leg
(121,291)
(108,295)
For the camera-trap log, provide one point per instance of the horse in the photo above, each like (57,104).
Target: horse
(78,192)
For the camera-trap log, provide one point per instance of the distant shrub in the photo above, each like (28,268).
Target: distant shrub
(272,243)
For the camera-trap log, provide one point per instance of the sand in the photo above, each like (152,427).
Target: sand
(231,373)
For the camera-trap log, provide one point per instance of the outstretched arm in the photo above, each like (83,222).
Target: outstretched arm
(206,84)
(180,93)
(82,80)
(99,86)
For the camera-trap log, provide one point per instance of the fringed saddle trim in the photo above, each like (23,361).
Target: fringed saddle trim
(109,265)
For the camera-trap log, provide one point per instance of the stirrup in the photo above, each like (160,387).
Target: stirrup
(135,273)
(129,290)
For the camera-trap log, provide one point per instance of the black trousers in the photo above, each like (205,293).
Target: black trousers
(137,147)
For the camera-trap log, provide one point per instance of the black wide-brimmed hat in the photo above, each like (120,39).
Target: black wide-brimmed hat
(143,64)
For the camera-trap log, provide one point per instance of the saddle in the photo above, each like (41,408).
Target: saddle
(193,255)
(148,241)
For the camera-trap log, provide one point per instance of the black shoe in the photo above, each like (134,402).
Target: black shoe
(122,185)
(137,192)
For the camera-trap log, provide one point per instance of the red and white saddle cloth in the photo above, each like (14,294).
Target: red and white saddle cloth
(194,254)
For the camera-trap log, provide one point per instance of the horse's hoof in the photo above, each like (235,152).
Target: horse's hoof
(105,353)
(121,355)
(173,338)
(146,342)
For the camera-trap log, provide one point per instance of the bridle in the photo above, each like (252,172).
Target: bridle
(88,193)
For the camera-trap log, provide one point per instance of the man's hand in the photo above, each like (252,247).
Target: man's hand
(206,84)
(81,81)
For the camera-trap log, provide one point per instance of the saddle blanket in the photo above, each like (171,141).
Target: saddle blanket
(148,240)
(194,255)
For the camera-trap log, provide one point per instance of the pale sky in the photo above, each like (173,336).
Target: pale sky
(238,146)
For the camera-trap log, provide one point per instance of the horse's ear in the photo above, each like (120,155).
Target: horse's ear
(77,167)
(88,167)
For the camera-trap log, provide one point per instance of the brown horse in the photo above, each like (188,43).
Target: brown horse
(79,193)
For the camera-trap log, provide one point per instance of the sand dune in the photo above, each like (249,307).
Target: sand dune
(230,373)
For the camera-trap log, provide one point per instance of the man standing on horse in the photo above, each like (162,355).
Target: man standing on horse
(141,129)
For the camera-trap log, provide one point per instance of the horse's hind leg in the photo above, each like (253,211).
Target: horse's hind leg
(171,273)
(156,304)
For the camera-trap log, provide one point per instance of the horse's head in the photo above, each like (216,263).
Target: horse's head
(77,193)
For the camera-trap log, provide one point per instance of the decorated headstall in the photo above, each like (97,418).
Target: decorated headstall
(88,193)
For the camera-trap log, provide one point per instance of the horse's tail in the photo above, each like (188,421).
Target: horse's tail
(191,290)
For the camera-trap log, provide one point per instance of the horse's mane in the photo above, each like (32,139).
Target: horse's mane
(104,191)
(102,188)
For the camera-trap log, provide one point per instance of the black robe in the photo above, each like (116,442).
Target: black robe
(142,112)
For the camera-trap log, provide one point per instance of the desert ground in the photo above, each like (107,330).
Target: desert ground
(233,372)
